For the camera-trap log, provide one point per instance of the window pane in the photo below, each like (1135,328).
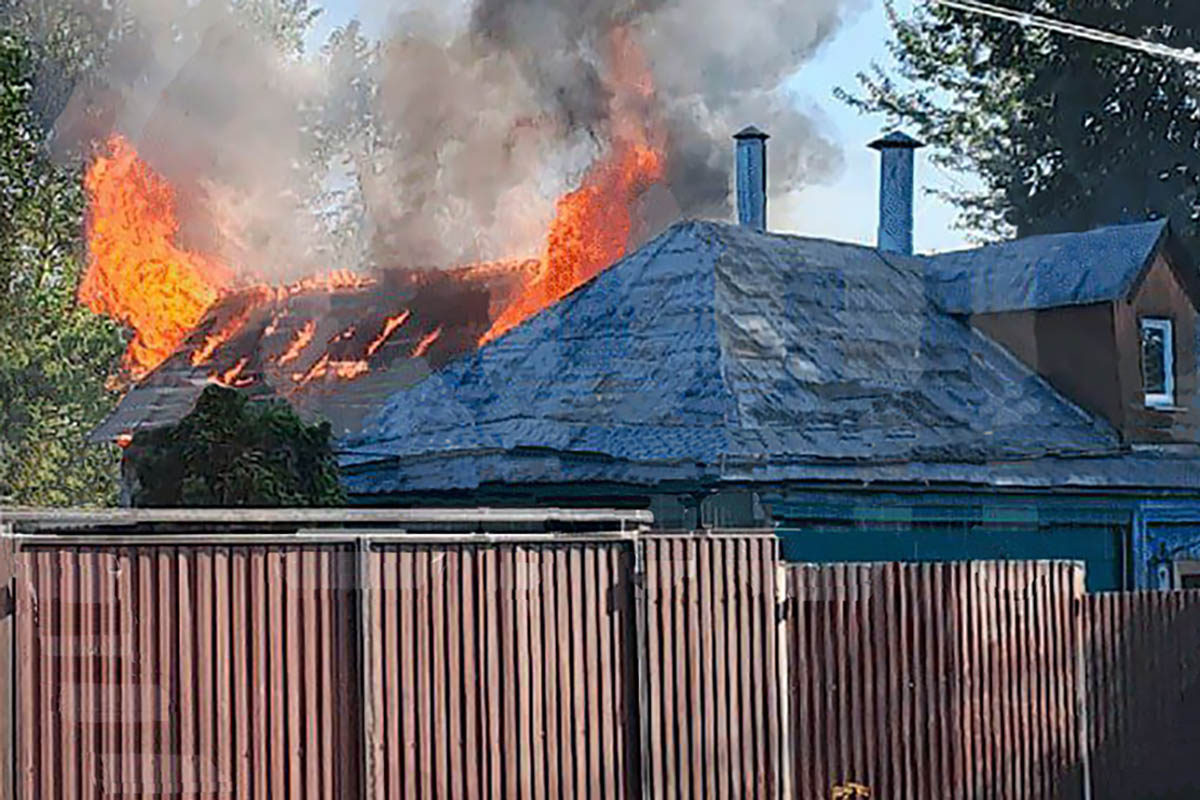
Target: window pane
(1154,375)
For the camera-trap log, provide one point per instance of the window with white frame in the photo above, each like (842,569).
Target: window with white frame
(1158,362)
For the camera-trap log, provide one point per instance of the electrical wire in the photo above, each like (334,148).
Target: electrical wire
(1026,19)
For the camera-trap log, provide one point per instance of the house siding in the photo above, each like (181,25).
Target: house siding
(1160,295)
(1074,348)
(865,526)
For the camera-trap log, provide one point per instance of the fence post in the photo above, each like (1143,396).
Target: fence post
(8,632)
(642,655)
(1082,628)
(783,616)
(365,639)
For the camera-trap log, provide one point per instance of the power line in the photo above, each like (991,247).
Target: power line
(1026,19)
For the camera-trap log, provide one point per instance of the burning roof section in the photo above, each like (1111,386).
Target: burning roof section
(334,348)
(718,352)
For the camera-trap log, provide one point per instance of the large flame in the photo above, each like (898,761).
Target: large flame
(590,231)
(136,273)
(140,276)
(593,224)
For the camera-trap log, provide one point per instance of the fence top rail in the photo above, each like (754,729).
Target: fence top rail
(710,533)
(30,521)
(1189,594)
(966,563)
(315,538)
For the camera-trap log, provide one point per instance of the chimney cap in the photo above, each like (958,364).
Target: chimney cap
(896,140)
(750,132)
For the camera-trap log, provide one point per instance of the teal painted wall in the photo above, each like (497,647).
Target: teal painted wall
(833,527)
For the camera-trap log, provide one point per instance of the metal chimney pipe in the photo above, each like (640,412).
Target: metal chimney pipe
(896,192)
(752,178)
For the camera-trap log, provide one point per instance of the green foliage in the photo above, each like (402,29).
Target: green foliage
(284,22)
(55,356)
(1065,134)
(233,452)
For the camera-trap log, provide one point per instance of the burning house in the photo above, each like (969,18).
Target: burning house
(1035,398)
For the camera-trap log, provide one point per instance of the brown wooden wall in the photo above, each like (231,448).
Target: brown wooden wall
(8,620)
(1143,654)
(935,680)
(1161,294)
(1074,348)
(714,722)
(503,671)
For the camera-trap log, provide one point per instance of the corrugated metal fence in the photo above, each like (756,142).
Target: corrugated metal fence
(161,671)
(639,666)
(714,721)
(502,671)
(936,680)
(1143,652)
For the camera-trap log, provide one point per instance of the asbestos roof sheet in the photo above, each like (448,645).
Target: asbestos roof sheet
(1045,271)
(714,346)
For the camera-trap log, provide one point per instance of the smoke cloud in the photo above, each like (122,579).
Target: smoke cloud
(448,140)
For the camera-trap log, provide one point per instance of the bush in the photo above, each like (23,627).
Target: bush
(230,451)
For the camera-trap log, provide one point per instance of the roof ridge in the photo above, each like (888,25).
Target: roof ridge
(1038,237)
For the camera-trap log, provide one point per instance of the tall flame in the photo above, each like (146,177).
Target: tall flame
(590,231)
(136,273)
(593,224)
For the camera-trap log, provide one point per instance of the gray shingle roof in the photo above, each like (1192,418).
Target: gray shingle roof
(1045,271)
(716,351)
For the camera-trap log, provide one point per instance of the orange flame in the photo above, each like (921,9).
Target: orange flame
(389,327)
(592,225)
(303,337)
(223,334)
(136,273)
(426,342)
(325,366)
(230,377)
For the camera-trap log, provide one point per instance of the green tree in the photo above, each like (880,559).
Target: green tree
(285,22)
(55,356)
(232,451)
(1064,134)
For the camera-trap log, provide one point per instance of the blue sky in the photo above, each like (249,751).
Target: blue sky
(846,208)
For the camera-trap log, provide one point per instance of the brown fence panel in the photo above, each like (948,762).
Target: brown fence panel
(505,670)
(187,671)
(1143,655)
(713,726)
(936,680)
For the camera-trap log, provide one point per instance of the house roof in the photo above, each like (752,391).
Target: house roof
(297,345)
(714,351)
(1050,271)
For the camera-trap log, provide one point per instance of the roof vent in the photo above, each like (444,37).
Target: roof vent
(896,192)
(752,177)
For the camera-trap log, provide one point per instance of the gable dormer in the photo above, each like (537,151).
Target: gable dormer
(1155,332)
(1108,317)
